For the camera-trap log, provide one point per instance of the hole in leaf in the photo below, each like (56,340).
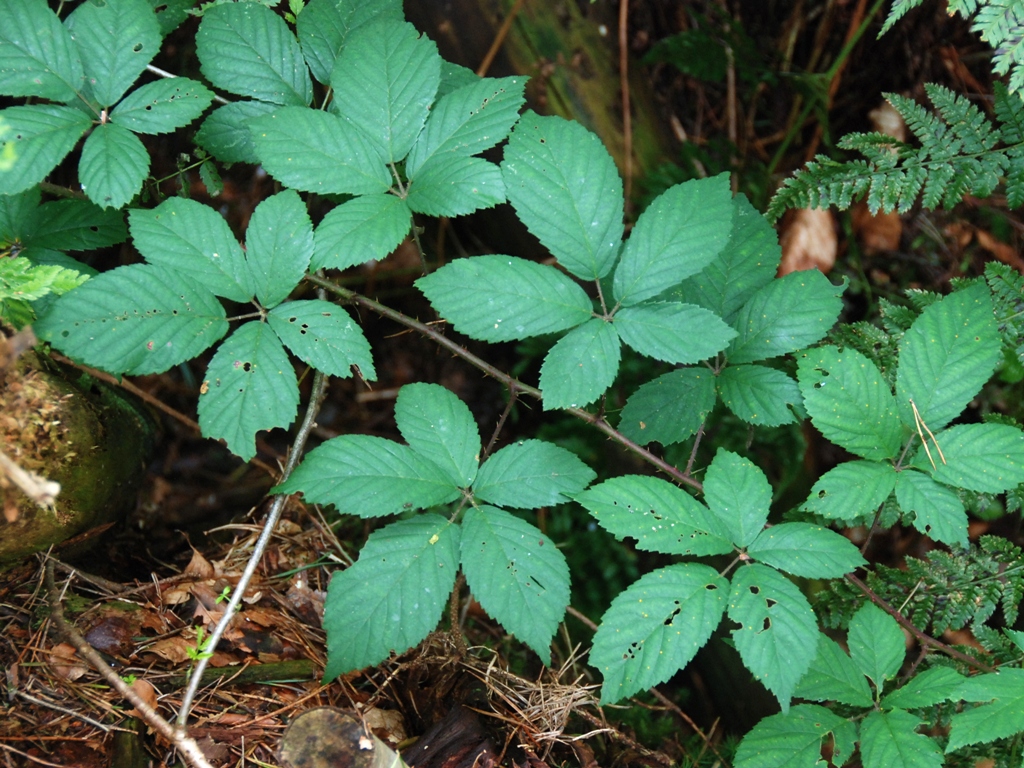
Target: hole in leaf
(755,590)
(766,625)
(137,47)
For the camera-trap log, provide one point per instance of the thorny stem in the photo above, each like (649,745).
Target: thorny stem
(504,378)
(276,507)
(693,451)
(512,397)
(908,625)
(184,743)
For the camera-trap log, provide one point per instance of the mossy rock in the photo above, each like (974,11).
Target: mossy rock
(91,438)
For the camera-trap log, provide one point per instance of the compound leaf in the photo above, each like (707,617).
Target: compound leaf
(393,595)
(946,356)
(938,512)
(33,140)
(279,243)
(758,395)
(790,740)
(468,120)
(580,366)
(511,298)
(738,493)
(852,489)
(531,473)
(747,263)
(249,386)
(137,319)
(74,225)
(385,80)
(678,235)
(317,152)
(805,550)
(324,26)
(876,644)
(193,238)
(517,574)
(834,677)
(931,687)
(225,132)
(248,50)
(1000,715)
(673,332)
(785,315)
(778,636)
(655,627)
(116,40)
(849,402)
(370,477)
(581,224)
(439,426)
(37,56)
(888,740)
(324,336)
(360,230)
(659,515)
(113,166)
(162,106)
(453,185)
(980,457)
(670,408)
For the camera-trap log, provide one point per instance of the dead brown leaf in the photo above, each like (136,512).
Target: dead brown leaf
(146,692)
(64,662)
(199,567)
(808,241)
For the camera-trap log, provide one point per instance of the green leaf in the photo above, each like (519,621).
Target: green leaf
(980,457)
(1001,715)
(323,336)
(876,644)
(888,740)
(279,243)
(22,280)
(453,77)
(675,333)
(116,40)
(938,512)
(451,185)
(517,574)
(778,636)
(249,386)
(360,230)
(393,596)
(385,80)
(225,132)
(511,298)
(193,238)
(369,477)
(439,426)
(946,357)
(806,550)
(468,120)
(324,26)
(171,13)
(670,408)
(659,515)
(317,152)
(37,55)
(851,490)
(791,740)
(834,677)
(113,166)
(75,225)
(33,140)
(655,627)
(581,224)
(678,235)
(162,106)
(19,216)
(849,402)
(580,366)
(138,319)
(747,263)
(531,473)
(931,687)
(785,315)
(738,493)
(210,177)
(248,50)
(758,395)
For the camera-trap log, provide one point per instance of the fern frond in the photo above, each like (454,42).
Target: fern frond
(899,9)
(1001,24)
(1007,286)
